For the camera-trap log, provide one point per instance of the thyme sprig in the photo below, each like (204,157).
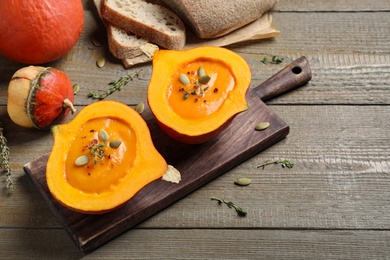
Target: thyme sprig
(273,60)
(230,204)
(5,158)
(116,85)
(283,163)
(96,149)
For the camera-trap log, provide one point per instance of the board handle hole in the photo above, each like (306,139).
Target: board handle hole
(296,70)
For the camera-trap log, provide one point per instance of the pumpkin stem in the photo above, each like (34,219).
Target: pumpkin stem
(68,104)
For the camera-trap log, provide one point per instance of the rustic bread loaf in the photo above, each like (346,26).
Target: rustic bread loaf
(214,18)
(152,22)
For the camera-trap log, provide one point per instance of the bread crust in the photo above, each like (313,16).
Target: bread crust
(122,51)
(146,31)
(215,18)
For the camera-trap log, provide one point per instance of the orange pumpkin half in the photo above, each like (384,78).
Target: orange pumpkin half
(102,158)
(194,94)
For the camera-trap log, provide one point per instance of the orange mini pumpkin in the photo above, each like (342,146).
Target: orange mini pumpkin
(36,32)
(194,94)
(39,97)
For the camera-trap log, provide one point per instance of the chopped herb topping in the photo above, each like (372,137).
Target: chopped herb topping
(199,84)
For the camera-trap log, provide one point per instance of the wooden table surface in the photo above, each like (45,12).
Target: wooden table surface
(333,204)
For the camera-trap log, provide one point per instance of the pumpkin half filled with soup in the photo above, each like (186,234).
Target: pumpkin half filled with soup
(102,158)
(194,94)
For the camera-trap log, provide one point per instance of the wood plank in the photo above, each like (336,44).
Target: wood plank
(355,70)
(198,165)
(340,178)
(331,6)
(203,244)
(352,71)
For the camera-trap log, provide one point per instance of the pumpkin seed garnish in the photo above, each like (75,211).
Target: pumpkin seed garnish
(262,126)
(204,79)
(242,181)
(140,108)
(103,135)
(76,88)
(115,143)
(201,72)
(82,160)
(199,85)
(100,62)
(184,79)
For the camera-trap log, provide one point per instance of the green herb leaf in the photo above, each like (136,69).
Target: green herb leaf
(5,158)
(284,163)
(273,60)
(230,204)
(116,85)
(96,149)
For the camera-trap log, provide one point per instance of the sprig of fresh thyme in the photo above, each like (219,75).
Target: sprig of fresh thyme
(273,60)
(5,158)
(116,85)
(230,204)
(283,163)
(96,149)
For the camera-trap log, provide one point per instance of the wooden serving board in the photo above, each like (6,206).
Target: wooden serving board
(198,164)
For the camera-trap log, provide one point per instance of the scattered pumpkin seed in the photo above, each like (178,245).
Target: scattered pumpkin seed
(242,181)
(204,79)
(201,72)
(100,62)
(96,42)
(262,126)
(76,88)
(82,160)
(184,79)
(140,108)
(103,135)
(115,143)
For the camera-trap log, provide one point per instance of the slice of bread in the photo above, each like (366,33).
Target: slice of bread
(122,44)
(153,22)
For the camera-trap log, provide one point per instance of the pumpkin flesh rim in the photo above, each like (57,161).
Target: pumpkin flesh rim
(233,104)
(144,169)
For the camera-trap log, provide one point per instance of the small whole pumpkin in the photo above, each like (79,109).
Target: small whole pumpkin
(36,32)
(39,97)
(194,94)
(102,158)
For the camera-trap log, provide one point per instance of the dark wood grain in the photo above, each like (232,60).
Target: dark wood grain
(295,74)
(198,164)
(333,204)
